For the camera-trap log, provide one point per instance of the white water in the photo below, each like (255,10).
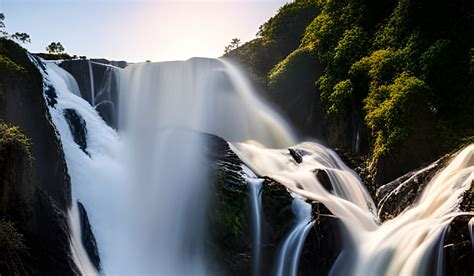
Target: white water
(470,226)
(255,194)
(91,77)
(145,188)
(400,246)
(289,253)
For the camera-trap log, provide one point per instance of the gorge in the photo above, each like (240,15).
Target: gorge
(152,178)
(339,141)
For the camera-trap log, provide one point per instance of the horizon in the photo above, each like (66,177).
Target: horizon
(136,31)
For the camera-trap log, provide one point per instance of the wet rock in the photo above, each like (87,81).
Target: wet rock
(323,178)
(296,156)
(323,243)
(88,238)
(34,193)
(78,128)
(398,195)
(98,83)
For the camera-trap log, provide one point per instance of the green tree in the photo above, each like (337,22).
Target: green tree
(234,44)
(55,48)
(21,37)
(2,25)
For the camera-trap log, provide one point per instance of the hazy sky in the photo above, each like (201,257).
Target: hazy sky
(135,30)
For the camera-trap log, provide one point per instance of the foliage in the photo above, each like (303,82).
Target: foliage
(389,107)
(234,44)
(12,249)
(12,135)
(377,57)
(229,211)
(21,37)
(2,25)
(55,48)
(276,39)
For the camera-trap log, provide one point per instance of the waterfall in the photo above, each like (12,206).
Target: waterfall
(91,78)
(289,253)
(255,195)
(400,246)
(145,185)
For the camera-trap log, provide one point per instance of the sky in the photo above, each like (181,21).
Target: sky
(137,30)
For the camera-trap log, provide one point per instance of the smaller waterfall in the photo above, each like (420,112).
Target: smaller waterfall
(401,246)
(255,189)
(290,250)
(91,77)
(470,225)
(79,253)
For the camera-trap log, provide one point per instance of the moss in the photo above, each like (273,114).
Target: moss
(388,109)
(12,249)
(230,214)
(295,66)
(12,135)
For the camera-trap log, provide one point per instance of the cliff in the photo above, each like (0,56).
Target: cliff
(35,188)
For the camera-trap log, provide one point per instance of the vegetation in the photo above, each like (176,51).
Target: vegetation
(12,135)
(234,44)
(20,37)
(391,61)
(55,48)
(12,249)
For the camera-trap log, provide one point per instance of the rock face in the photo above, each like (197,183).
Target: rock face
(98,83)
(230,222)
(88,238)
(35,193)
(400,194)
(78,128)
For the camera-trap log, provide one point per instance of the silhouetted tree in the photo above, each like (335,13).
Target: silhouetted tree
(21,37)
(55,48)
(2,25)
(234,44)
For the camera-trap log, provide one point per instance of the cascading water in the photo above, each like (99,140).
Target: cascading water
(289,254)
(145,186)
(255,195)
(400,246)
(91,77)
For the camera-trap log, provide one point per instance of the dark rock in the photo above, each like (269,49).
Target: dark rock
(323,243)
(78,128)
(51,97)
(35,192)
(296,156)
(323,178)
(88,238)
(278,220)
(98,84)
(400,194)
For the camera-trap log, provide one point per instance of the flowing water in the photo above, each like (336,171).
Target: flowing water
(401,246)
(145,185)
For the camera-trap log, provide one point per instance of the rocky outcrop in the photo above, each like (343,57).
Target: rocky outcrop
(88,238)
(230,221)
(98,84)
(35,188)
(400,194)
(78,128)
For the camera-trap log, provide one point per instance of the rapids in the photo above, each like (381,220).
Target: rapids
(145,183)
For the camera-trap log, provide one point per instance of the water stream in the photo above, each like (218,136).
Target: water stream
(145,184)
